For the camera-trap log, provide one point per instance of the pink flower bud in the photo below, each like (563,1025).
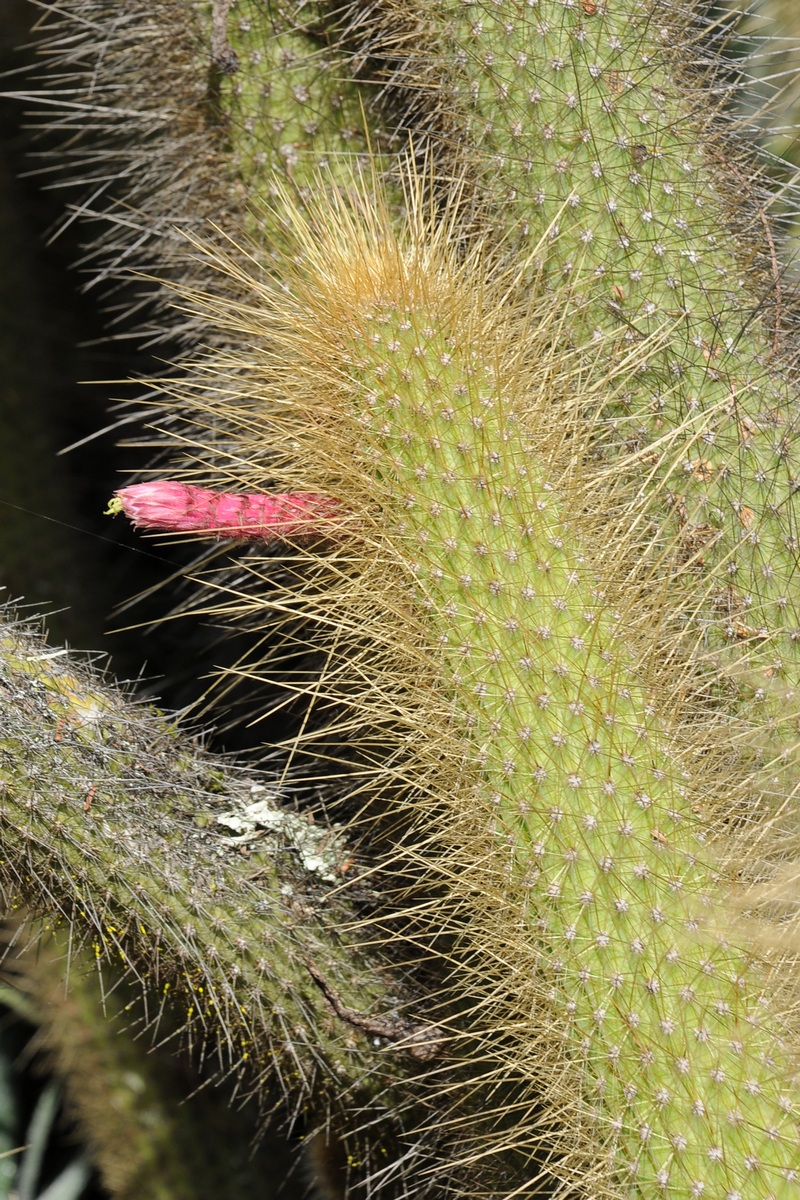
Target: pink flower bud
(184,508)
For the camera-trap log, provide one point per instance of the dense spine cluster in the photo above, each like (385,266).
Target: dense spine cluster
(568,763)
(139,841)
(659,1010)
(177,142)
(291,110)
(575,124)
(118,1096)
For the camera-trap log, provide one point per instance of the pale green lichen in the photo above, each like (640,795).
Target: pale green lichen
(321,850)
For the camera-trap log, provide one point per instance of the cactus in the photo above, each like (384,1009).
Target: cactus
(193,139)
(771,65)
(408,392)
(694,365)
(151,851)
(580,120)
(90,1031)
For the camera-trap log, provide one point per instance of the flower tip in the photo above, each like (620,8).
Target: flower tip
(158,504)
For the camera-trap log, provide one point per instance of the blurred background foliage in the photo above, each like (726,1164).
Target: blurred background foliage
(765,44)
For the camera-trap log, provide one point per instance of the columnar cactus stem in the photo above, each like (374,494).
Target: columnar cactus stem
(156,854)
(683,1067)
(424,395)
(130,1103)
(583,120)
(185,145)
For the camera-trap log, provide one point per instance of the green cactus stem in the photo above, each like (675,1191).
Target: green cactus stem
(587,120)
(131,1104)
(412,394)
(223,906)
(188,146)
(635,230)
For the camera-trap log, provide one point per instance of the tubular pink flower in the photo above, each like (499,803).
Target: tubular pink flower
(183,508)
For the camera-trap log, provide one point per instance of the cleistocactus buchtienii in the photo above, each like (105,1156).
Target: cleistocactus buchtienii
(395,379)
(693,375)
(186,879)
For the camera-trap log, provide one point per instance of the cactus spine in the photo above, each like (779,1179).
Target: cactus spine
(111,823)
(131,1107)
